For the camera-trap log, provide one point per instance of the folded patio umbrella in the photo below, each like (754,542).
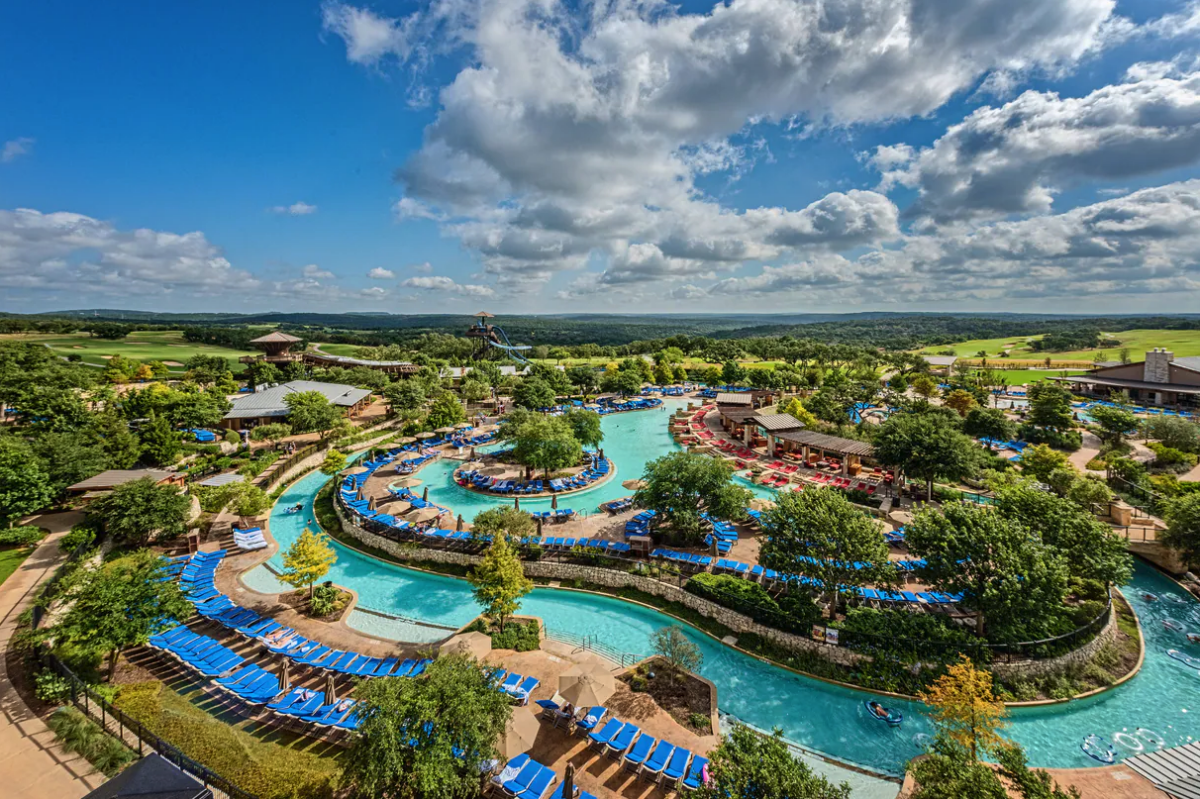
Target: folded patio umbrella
(474,644)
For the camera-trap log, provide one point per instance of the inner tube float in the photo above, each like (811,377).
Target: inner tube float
(1149,597)
(1150,737)
(1098,749)
(1171,624)
(893,718)
(1185,659)
(1176,598)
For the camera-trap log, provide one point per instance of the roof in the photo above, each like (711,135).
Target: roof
(152,777)
(1191,363)
(940,360)
(115,477)
(222,479)
(1178,388)
(1175,771)
(275,337)
(270,401)
(843,446)
(737,413)
(346,360)
(778,421)
(731,398)
(486,315)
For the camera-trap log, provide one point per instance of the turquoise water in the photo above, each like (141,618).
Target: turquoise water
(1162,698)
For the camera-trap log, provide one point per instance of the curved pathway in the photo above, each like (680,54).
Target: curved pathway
(32,764)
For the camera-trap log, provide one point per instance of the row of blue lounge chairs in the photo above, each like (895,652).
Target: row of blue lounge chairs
(525,778)
(618,505)
(515,685)
(640,524)
(654,760)
(629,405)
(562,515)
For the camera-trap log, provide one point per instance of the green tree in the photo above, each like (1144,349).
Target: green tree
(989,423)
(795,409)
(960,401)
(205,368)
(262,373)
(926,446)
(676,648)
(311,412)
(1091,548)
(1174,431)
(473,389)
(446,411)
(113,605)
(924,386)
(427,737)
(248,499)
(133,511)
(160,444)
(546,443)
(947,771)
(1050,406)
(69,457)
(628,382)
(819,533)
(194,409)
(404,396)
(1013,582)
(1183,526)
(1030,783)
(583,377)
(964,707)
(498,582)
(121,446)
(749,764)
(307,560)
(1040,460)
(682,485)
(1114,423)
(24,485)
(585,425)
(334,462)
(533,394)
(276,432)
(731,373)
(503,521)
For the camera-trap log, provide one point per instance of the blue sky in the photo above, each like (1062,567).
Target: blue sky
(762,155)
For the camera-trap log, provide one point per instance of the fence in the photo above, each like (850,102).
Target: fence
(593,643)
(135,734)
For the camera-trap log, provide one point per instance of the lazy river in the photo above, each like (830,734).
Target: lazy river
(1154,708)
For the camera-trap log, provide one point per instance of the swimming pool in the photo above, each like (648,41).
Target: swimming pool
(1163,698)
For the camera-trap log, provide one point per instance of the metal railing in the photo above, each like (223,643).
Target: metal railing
(592,643)
(135,734)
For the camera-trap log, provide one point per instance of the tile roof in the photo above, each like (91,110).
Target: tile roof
(843,446)
(734,398)
(275,337)
(115,477)
(777,421)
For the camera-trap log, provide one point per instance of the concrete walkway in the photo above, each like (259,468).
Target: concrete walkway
(32,764)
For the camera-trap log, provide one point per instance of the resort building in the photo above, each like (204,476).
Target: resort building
(267,404)
(782,434)
(940,364)
(1161,379)
(277,349)
(104,482)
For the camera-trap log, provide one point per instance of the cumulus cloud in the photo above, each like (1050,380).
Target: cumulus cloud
(15,148)
(576,135)
(422,269)
(317,273)
(61,250)
(446,285)
(379,273)
(1013,159)
(373,293)
(295,209)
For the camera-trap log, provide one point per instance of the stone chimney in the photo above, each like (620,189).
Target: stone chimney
(1158,366)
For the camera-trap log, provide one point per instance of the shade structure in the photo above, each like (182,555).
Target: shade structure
(900,517)
(519,734)
(330,690)
(554,501)
(568,790)
(359,495)
(474,644)
(758,503)
(399,506)
(516,503)
(425,494)
(406,440)
(463,426)
(634,485)
(405,482)
(426,435)
(444,430)
(539,526)
(285,674)
(371,504)
(458,525)
(423,515)
(586,684)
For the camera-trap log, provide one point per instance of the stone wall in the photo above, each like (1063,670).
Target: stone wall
(610,578)
(1030,669)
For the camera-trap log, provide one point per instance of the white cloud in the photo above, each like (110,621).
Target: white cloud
(1016,157)
(373,293)
(368,36)
(295,209)
(578,135)
(422,269)
(15,148)
(441,283)
(66,251)
(379,273)
(317,273)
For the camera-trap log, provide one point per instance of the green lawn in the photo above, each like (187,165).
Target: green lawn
(11,559)
(1182,342)
(141,345)
(343,350)
(1017,377)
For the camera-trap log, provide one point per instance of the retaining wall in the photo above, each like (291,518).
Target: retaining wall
(1027,669)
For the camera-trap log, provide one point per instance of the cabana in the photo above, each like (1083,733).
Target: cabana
(814,447)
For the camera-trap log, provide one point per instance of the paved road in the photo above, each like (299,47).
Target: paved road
(32,765)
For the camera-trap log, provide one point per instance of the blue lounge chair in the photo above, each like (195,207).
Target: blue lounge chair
(656,762)
(539,784)
(525,776)
(677,766)
(385,667)
(623,739)
(695,774)
(638,752)
(292,697)
(591,719)
(600,739)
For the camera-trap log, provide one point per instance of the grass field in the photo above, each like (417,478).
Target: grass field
(141,345)
(1182,342)
(1017,377)
(11,560)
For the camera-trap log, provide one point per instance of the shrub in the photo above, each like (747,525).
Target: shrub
(232,437)
(520,637)
(1086,611)
(326,599)
(50,688)
(23,535)
(79,734)
(700,721)
(637,684)
(743,596)
(907,637)
(1169,458)
(1068,440)
(81,536)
